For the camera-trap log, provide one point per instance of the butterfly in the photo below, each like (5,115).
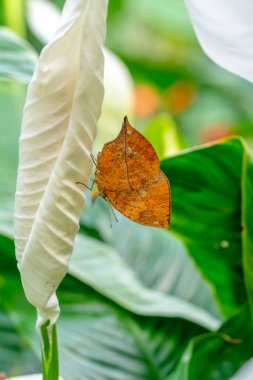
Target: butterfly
(128,175)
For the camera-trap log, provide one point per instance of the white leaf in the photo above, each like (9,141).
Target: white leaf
(224,29)
(59,125)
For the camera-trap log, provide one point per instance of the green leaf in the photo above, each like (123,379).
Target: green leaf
(17,57)
(154,257)
(247,224)
(100,266)
(218,356)
(206,204)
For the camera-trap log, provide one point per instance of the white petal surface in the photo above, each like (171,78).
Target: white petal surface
(59,125)
(224,29)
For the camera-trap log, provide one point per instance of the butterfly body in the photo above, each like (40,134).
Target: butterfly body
(128,175)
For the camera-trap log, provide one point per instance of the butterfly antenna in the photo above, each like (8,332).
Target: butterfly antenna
(87,187)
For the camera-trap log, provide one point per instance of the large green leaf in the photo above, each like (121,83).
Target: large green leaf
(207,215)
(101,267)
(104,341)
(217,356)
(158,260)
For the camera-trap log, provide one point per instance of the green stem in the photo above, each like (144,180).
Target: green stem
(14,15)
(49,347)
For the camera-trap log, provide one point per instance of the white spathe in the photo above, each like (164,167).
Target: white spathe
(59,125)
(224,29)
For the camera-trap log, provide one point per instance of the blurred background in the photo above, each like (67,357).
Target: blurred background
(157,74)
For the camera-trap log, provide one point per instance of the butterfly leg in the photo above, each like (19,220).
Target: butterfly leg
(110,209)
(93,159)
(113,212)
(93,182)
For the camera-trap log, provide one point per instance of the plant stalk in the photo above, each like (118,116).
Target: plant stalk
(14,12)
(49,348)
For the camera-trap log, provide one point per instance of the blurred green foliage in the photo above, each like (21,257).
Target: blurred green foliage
(158,45)
(141,303)
(156,41)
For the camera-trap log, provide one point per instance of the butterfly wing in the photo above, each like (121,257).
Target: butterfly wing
(149,205)
(127,163)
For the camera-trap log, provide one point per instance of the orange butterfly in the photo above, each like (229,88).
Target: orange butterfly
(128,175)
